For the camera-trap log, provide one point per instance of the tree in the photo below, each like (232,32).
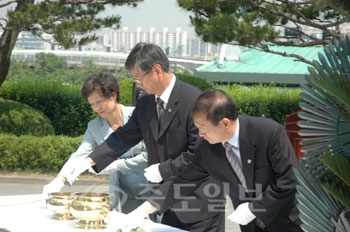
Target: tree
(47,64)
(259,23)
(70,22)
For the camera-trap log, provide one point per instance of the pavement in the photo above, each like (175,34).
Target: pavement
(33,184)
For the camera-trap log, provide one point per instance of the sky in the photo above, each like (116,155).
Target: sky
(154,13)
(150,13)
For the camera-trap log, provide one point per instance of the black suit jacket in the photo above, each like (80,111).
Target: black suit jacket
(268,161)
(172,146)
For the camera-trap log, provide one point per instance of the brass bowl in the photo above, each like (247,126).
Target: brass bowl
(91,209)
(60,204)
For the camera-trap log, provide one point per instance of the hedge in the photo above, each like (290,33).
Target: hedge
(264,100)
(61,103)
(48,154)
(39,154)
(20,119)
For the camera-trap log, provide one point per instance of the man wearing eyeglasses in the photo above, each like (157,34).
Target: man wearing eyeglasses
(170,136)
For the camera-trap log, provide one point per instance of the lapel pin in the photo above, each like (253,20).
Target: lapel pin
(169,110)
(249,161)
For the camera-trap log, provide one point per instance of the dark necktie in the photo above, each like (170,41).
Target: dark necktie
(234,162)
(160,110)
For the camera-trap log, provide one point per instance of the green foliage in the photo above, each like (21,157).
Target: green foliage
(264,100)
(258,23)
(64,104)
(43,154)
(331,74)
(253,23)
(122,75)
(19,70)
(78,75)
(326,143)
(337,179)
(46,64)
(195,81)
(56,92)
(20,119)
(318,210)
(51,67)
(69,23)
(338,164)
(63,20)
(125,90)
(61,103)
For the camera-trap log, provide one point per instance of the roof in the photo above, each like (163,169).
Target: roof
(256,66)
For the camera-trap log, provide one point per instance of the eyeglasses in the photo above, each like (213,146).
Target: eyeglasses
(139,79)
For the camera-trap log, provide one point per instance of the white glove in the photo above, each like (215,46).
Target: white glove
(74,167)
(135,219)
(242,215)
(137,214)
(152,173)
(54,186)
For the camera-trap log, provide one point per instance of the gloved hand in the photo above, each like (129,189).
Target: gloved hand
(152,173)
(74,167)
(54,186)
(137,214)
(242,215)
(135,219)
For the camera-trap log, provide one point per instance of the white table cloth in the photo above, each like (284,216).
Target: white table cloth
(24,213)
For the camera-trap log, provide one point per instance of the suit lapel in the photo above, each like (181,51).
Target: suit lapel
(247,153)
(171,109)
(248,158)
(154,119)
(101,130)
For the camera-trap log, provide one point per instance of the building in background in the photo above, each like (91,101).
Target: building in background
(27,41)
(175,43)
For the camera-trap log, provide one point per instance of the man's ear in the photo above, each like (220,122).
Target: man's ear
(157,69)
(226,123)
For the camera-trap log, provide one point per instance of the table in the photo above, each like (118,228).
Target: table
(24,213)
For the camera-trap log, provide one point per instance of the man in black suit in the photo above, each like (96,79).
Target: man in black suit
(170,138)
(264,200)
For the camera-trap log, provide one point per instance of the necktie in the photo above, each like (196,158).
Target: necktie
(234,162)
(160,109)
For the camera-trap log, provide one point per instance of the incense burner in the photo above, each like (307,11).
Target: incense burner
(91,209)
(60,204)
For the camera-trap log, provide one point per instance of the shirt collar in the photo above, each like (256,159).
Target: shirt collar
(166,94)
(234,140)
